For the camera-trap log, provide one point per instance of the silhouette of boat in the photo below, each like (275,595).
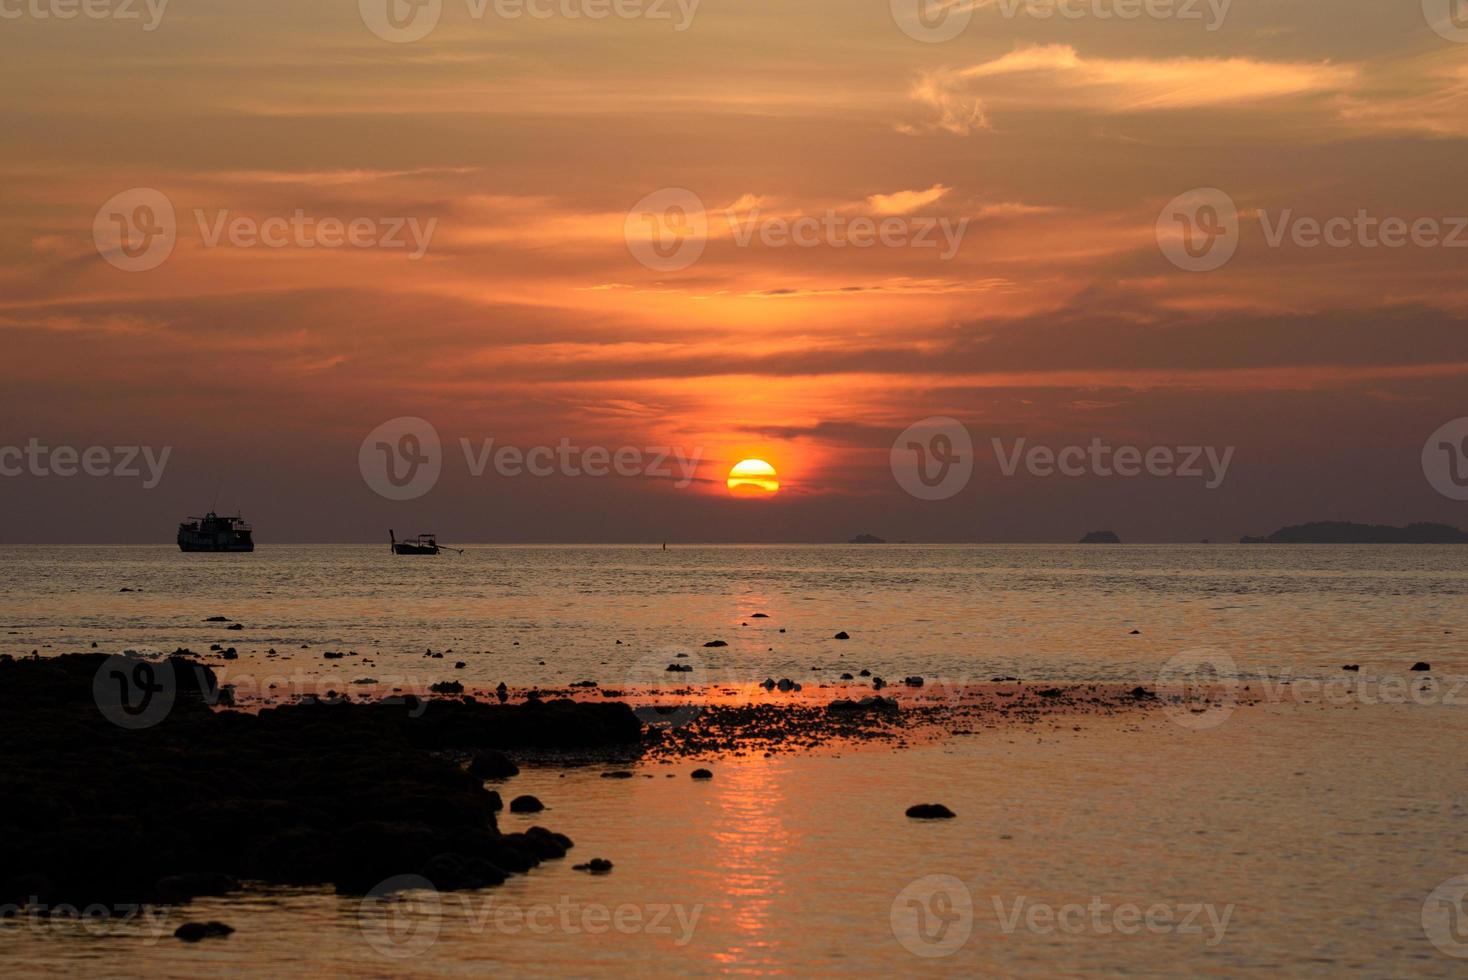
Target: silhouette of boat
(214,533)
(423,544)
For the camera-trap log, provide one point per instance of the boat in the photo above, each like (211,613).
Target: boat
(214,533)
(423,544)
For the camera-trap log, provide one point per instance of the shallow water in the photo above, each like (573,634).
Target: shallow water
(1313,832)
(1298,836)
(554,615)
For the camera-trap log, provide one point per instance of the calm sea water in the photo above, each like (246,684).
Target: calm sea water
(1317,830)
(555,615)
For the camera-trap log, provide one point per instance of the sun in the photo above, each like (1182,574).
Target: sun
(753,478)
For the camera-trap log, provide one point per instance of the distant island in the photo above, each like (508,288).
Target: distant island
(866,539)
(1101,537)
(1346,532)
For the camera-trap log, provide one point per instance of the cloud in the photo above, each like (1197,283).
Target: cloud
(1057,77)
(906,202)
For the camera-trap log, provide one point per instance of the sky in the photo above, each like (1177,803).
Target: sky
(729,230)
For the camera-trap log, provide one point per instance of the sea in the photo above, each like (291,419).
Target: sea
(1318,827)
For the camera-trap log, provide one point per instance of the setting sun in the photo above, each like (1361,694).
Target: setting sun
(753,478)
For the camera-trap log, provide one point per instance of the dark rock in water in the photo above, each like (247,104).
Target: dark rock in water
(768,684)
(1353,668)
(716,643)
(192,932)
(184,888)
(235,626)
(454,872)
(617,774)
(878,683)
(337,794)
(702,774)
(760,616)
(596,866)
(217,619)
(847,677)
(1421,666)
(913,681)
(843,635)
(459,665)
(1050,692)
(930,811)
(1101,537)
(584,684)
(526,804)
(490,764)
(786,684)
(447,687)
(1142,694)
(1136,633)
(230,654)
(679,669)
(865,673)
(332,655)
(878,703)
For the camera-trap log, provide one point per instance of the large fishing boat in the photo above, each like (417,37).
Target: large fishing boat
(214,533)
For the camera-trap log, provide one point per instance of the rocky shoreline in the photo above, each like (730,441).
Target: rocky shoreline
(339,794)
(115,802)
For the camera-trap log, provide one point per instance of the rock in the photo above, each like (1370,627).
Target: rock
(447,687)
(1142,694)
(596,866)
(716,643)
(843,635)
(617,774)
(235,626)
(760,616)
(584,684)
(491,764)
(913,681)
(1136,633)
(930,811)
(192,932)
(502,692)
(786,684)
(230,654)
(768,684)
(459,665)
(1353,668)
(332,655)
(679,669)
(847,677)
(702,774)
(217,619)
(878,683)
(1421,666)
(453,872)
(1050,692)
(526,804)
(865,673)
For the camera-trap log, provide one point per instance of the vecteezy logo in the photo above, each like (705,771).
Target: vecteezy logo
(134,693)
(932,21)
(1199,231)
(136,230)
(1445,459)
(402,458)
(1199,688)
(1444,918)
(1449,18)
(401,21)
(933,916)
(933,459)
(676,684)
(667,230)
(401,917)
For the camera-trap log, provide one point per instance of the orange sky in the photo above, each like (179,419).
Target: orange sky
(1053,143)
